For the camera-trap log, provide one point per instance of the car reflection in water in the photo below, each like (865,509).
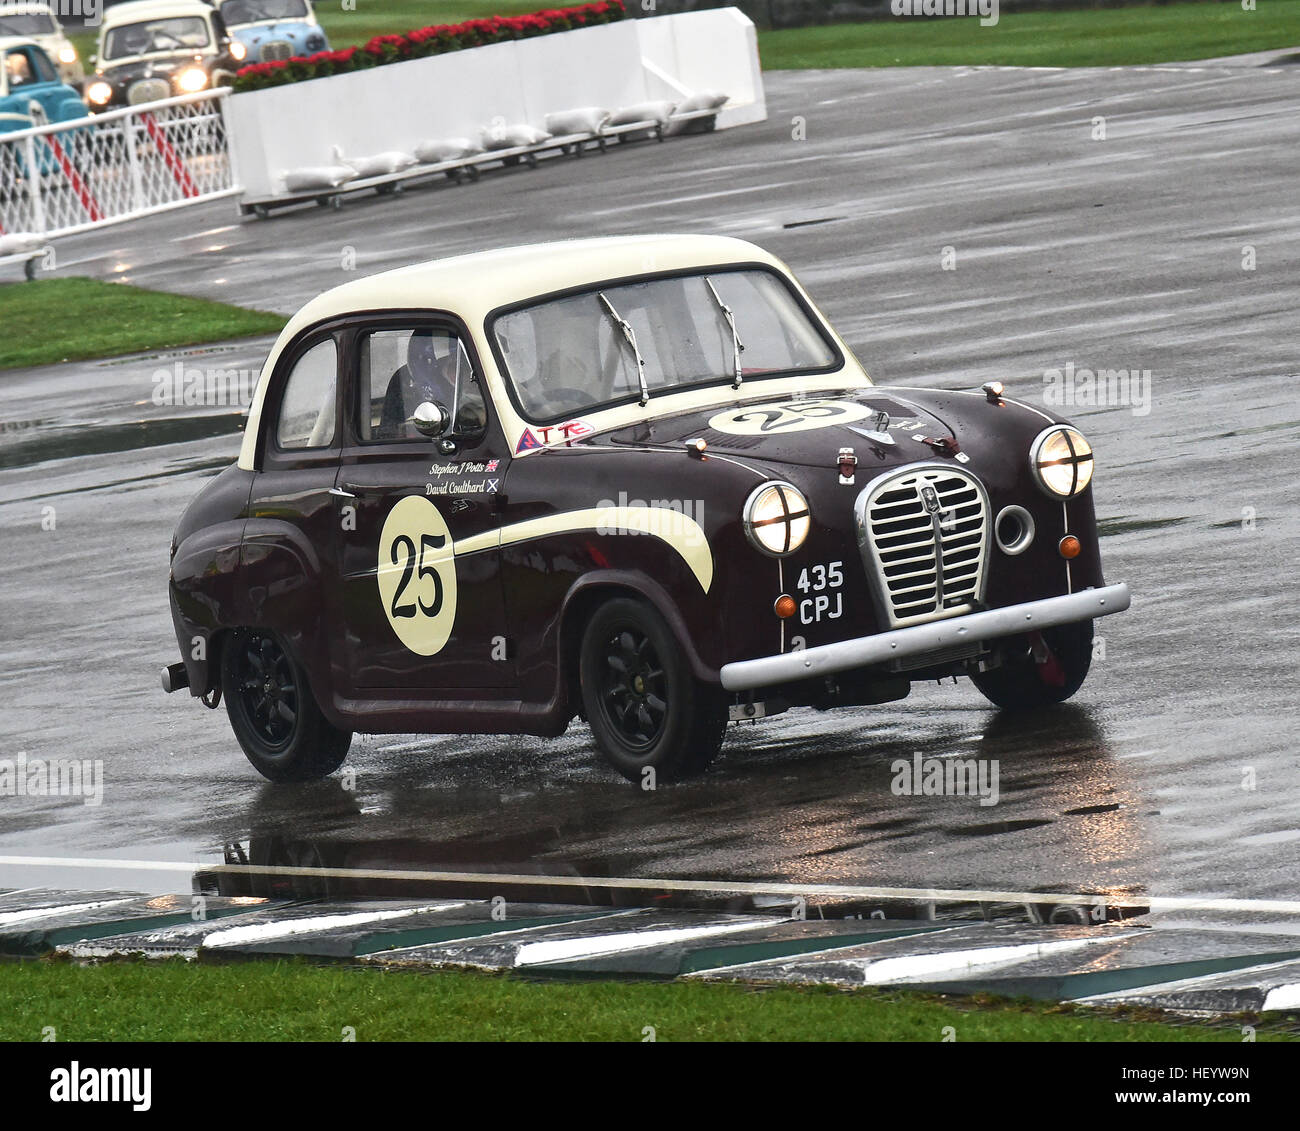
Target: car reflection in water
(1066,811)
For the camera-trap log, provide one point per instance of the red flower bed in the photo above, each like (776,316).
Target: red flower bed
(427,41)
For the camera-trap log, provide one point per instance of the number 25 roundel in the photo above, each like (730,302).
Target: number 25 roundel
(417,575)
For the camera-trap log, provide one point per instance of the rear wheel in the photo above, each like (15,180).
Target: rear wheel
(645,707)
(1039,669)
(273,712)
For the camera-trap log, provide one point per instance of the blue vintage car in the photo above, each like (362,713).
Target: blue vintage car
(31,93)
(274,29)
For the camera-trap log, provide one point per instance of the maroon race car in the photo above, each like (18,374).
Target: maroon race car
(637,480)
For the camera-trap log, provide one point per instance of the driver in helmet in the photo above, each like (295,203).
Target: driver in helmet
(424,377)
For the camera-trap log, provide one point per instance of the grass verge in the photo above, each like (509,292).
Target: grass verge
(1097,37)
(294,1001)
(52,320)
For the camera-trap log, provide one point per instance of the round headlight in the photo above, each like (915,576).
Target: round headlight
(776,519)
(192,79)
(100,93)
(238,50)
(67,54)
(1061,460)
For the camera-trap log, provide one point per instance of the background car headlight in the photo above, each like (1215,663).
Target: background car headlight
(1062,461)
(100,93)
(776,518)
(192,79)
(67,54)
(238,50)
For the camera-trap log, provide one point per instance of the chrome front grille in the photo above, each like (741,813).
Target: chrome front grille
(924,533)
(148,90)
(276,51)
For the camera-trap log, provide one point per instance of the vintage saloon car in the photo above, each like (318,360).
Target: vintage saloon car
(35,19)
(273,30)
(31,92)
(640,480)
(155,49)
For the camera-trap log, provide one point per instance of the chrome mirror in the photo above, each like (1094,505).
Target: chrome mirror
(430,419)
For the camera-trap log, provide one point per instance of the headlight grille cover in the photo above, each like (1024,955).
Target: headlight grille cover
(777,518)
(1061,460)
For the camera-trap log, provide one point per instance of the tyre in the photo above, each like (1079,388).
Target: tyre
(645,707)
(273,712)
(1039,669)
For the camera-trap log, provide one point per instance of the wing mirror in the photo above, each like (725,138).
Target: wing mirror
(430,419)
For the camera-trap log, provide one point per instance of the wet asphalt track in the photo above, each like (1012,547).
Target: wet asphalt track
(1118,253)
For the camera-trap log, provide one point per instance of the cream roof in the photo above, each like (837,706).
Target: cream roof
(473,285)
(138,11)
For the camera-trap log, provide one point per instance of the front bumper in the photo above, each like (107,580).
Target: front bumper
(951,632)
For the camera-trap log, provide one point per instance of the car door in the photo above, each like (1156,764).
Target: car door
(422,608)
(42,87)
(291,512)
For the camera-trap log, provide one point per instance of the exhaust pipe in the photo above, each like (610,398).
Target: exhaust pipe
(174,677)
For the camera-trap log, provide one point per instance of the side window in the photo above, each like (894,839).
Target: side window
(19,68)
(42,67)
(400,369)
(307,403)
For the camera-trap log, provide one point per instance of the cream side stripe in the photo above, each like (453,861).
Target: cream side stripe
(672,527)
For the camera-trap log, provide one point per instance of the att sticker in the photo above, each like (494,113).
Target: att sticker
(527,442)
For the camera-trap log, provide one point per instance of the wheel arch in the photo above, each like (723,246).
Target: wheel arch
(592,590)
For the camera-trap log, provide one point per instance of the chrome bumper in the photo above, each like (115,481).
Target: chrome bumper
(951,632)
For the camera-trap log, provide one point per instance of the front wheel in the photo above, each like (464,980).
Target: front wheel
(646,708)
(1039,669)
(273,712)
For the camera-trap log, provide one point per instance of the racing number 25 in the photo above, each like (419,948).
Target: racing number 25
(404,548)
(416,572)
(788,416)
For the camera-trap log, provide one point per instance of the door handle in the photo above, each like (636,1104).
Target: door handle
(339,493)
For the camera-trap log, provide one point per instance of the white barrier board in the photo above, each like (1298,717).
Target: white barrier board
(398,106)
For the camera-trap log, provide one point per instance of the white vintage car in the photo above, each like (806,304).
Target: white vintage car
(35,20)
(155,49)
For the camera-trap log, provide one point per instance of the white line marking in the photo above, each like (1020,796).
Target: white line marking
(1283,997)
(910,967)
(651,883)
(1210,981)
(10,917)
(265,932)
(553,950)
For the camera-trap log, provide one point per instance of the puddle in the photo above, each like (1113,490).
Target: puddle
(100,439)
(1109,526)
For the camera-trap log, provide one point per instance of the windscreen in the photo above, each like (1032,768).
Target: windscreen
(576,353)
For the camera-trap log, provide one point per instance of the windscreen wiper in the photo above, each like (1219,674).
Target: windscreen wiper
(629,335)
(736,344)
